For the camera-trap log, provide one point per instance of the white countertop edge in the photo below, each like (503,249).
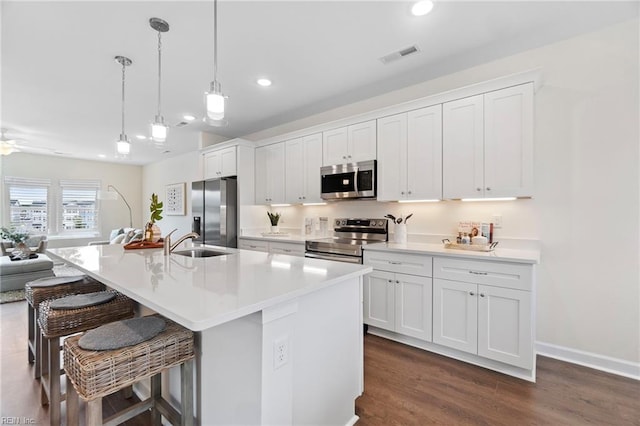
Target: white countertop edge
(220,319)
(498,255)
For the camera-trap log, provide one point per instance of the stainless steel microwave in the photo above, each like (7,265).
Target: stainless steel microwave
(346,181)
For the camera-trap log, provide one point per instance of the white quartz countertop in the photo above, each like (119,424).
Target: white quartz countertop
(499,255)
(200,293)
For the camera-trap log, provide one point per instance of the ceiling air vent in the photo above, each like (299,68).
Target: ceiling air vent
(399,54)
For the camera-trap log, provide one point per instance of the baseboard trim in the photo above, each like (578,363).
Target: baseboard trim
(604,363)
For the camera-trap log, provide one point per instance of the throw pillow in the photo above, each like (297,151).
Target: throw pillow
(118,239)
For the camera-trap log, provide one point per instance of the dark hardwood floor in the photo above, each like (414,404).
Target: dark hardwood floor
(403,386)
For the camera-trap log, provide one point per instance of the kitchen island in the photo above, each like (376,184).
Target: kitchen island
(279,338)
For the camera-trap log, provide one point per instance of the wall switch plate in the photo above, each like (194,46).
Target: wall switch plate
(497,220)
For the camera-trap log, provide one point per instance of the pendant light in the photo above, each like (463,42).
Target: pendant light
(214,99)
(159,130)
(123,146)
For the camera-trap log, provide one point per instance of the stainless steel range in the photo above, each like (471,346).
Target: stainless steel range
(349,237)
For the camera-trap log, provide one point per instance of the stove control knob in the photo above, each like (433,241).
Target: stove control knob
(344,223)
(381,223)
(337,223)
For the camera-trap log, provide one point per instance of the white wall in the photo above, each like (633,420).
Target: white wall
(113,214)
(184,168)
(586,210)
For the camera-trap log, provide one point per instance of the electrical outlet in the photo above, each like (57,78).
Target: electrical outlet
(280,352)
(497,221)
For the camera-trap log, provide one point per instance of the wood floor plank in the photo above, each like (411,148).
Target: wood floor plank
(404,386)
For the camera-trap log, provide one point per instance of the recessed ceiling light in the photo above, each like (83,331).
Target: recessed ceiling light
(188,117)
(264,82)
(141,137)
(102,156)
(421,8)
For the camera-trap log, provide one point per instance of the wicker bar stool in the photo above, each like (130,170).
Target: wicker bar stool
(42,289)
(71,315)
(94,374)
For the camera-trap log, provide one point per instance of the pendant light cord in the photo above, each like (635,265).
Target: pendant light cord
(123,67)
(215,40)
(159,70)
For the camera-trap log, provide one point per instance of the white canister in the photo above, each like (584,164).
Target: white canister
(479,240)
(400,233)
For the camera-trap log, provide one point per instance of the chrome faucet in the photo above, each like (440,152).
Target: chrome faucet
(169,246)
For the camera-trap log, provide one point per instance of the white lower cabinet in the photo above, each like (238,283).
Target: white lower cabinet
(396,301)
(491,321)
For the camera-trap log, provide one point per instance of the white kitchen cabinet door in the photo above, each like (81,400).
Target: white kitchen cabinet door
(379,300)
(508,142)
(335,146)
(424,154)
(504,326)
(392,157)
(294,163)
(270,174)
(413,306)
(463,148)
(362,142)
(220,163)
(455,313)
(312,164)
(303,159)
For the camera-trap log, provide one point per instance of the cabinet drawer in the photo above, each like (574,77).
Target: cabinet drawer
(253,245)
(499,274)
(292,249)
(413,264)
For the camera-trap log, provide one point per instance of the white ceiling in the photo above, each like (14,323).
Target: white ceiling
(61,86)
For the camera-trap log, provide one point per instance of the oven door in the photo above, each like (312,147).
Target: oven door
(335,257)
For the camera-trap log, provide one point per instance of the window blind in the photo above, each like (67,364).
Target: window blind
(79,210)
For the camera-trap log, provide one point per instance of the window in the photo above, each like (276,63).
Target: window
(42,206)
(28,204)
(79,207)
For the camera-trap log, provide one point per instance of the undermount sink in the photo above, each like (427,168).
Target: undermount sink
(199,252)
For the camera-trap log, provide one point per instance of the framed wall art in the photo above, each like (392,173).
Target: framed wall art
(175,200)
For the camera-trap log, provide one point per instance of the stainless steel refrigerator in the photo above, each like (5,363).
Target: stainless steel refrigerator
(214,209)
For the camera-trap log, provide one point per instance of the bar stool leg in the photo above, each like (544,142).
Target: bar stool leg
(31,334)
(52,379)
(73,405)
(156,395)
(94,412)
(43,351)
(186,393)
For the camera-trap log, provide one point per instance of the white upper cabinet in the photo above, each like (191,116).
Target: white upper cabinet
(270,174)
(220,163)
(349,144)
(303,159)
(488,144)
(410,155)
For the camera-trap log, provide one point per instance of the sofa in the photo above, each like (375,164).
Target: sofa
(121,236)
(14,274)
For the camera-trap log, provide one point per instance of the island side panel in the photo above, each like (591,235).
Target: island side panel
(229,370)
(328,355)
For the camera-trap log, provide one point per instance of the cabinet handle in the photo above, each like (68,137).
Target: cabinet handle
(389,281)
(344,157)
(477,273)
(304,198)
(397,282)
(478,189)
(394,263)
(488,189)
(286,250)
(471,293)
(349,156)
(409,192)
(401,192)
(481,294)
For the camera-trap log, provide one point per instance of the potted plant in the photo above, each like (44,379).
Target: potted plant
(18,238)
(152,231)
(274,218)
